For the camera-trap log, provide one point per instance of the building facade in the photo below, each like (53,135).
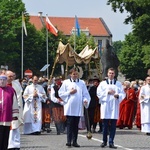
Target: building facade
(95,27)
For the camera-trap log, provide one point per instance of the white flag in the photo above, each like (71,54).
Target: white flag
(24,25)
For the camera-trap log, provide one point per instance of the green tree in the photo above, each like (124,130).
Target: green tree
(34,53)
(11,36)
(117,45)
(135,8)
(130,58)
(10,26)
(137,43)
(146,57)
(138,15)
(141,29)
(79,42)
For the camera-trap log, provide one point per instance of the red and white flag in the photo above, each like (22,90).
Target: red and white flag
(51,27)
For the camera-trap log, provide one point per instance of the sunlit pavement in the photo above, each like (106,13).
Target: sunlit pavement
(125,139)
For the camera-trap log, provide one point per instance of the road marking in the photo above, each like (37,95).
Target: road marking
(94,139)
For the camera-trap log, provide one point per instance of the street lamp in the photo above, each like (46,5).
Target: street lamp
(43,23)
(40,14)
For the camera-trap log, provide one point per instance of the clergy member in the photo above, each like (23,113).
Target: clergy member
(14,135)
(127,107)
(8,111)
(144,98)
(34,95)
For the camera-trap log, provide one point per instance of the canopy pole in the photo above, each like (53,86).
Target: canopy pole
(56,60)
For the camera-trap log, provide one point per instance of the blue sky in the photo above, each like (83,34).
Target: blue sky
(82,8)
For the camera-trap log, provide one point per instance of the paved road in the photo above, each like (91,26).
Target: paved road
(125,140)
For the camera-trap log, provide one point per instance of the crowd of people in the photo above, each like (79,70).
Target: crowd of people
(71,104)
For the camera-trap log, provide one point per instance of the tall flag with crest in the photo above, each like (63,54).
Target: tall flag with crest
(77,26)
(51,27)
(24,25)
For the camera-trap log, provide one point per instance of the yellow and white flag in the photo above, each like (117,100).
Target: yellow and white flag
(24,25)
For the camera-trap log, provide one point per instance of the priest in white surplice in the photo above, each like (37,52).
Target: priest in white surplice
(144,97)
(75,95)
(34,95)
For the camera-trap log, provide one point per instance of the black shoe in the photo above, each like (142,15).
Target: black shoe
(49,130)
(68,144)
(37,133)
(129,128)
(99,131)
(103,145)
(14,149)
(93,131)
(75,145)
(112,146)
(148,134)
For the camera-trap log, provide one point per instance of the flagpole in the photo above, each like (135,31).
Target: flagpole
(43,23)
(47,53)
(77,31)
(22,50)
(75,35)
(75,40)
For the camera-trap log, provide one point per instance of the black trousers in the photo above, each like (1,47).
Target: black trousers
(72,128)
(4,136)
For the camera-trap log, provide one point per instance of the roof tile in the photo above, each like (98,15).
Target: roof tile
(96,26)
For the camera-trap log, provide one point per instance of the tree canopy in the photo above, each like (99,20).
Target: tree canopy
(138,15)
(131,59)
(134,54)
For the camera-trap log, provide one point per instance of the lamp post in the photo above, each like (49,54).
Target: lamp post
(40,14)
(43,23)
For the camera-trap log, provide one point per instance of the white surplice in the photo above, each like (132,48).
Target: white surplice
(14,135)
(110,104)
(144,98)
(74,103)
(32,112)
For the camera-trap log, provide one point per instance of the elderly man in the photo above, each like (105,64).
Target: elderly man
(14,135)
(144,99)
(8,111)
(34,95)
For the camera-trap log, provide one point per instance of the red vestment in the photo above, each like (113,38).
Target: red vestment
(127,109)
(138,113)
